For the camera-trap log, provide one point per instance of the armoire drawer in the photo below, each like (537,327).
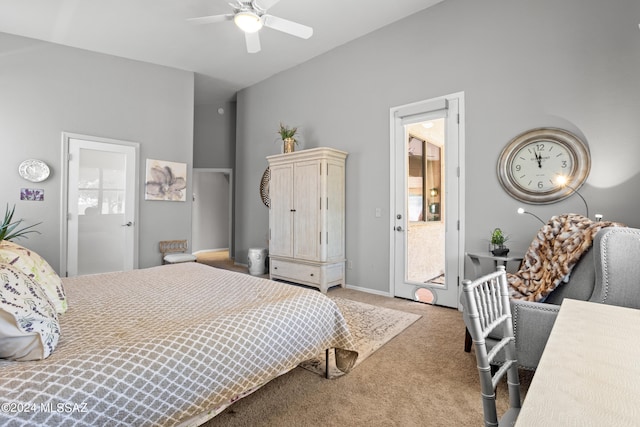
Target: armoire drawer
(296,272)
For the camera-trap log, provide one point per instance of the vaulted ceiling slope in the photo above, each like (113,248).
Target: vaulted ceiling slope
(157,31)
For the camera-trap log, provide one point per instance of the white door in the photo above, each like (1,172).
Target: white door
(426,230)
(101,205)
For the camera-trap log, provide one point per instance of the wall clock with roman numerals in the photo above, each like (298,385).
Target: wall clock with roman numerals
(532,165)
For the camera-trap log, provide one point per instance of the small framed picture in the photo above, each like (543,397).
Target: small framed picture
(33,194)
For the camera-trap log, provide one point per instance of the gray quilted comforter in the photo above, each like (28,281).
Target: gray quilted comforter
(158,346)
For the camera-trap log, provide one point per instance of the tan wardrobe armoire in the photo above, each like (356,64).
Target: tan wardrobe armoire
(307,217)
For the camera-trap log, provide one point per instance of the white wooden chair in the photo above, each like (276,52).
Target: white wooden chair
(174,251)
(487,308)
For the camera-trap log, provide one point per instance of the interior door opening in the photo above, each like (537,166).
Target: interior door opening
(427,229)
(211,231)
(426,208)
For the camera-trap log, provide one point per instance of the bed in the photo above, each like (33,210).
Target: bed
(168,345)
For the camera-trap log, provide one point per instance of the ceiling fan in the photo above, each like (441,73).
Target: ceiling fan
(251,16)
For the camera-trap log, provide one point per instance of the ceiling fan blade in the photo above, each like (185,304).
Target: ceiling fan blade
(287,26)
(265,4)
(211,19)
(253,42)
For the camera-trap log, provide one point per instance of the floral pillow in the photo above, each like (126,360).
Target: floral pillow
(34,266)
(29,328)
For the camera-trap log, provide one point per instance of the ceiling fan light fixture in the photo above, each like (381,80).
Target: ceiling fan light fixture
(248,21)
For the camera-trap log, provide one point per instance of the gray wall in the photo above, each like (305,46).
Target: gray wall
(46,89)
(214,136)
(572,64)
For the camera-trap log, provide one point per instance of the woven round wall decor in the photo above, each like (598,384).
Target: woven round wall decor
(264,187)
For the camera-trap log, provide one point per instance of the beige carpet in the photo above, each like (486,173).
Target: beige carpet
(422,377)
(371,328)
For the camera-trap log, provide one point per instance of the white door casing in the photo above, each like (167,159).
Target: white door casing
(98,237)
(450,108)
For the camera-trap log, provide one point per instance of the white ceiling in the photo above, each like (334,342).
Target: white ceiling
(156,31)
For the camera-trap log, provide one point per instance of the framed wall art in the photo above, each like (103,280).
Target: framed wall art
(32,194)
(165,181)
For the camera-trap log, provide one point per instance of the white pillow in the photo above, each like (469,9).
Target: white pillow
(34,266)
(29,328)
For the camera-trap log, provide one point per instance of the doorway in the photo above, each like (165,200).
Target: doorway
(99,205)
(212,214)
(426,237)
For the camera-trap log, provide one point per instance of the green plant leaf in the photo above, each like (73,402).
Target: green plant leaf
(498,237)
(287,132)
(9,229)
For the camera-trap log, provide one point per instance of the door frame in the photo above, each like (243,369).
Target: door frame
(228,172)
(64,193)
(418,108)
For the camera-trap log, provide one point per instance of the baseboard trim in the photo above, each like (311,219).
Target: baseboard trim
(369,291)
(210,250)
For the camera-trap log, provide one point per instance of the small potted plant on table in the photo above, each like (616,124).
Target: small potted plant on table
(498,239)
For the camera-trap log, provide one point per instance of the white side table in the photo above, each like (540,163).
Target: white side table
(475,258)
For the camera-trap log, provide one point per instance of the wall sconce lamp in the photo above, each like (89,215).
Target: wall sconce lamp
(522,211)
(562,181)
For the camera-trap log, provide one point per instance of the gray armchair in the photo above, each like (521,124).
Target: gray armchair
(609,273)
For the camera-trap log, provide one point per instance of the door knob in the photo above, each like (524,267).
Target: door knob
(128,224)
(398,228)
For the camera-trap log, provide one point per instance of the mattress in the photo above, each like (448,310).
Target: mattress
(161,345)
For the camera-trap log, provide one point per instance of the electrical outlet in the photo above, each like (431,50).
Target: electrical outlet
(350,264)
(378,212)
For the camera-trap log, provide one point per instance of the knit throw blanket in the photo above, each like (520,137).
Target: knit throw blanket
(552,255)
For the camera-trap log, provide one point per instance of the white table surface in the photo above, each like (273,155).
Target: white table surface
(589,374)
